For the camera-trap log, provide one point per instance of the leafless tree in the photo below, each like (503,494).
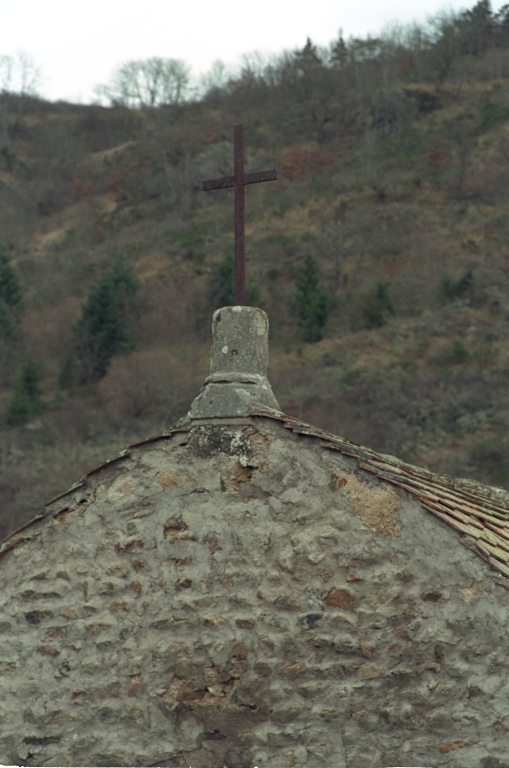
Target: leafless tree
(19,74)
(215,79)
(147,83)
(5,73)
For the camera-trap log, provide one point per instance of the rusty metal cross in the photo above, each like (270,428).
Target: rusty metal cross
(238,182)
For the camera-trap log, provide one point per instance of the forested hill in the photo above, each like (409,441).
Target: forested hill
(380,254)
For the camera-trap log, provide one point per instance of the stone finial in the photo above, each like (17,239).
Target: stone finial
(238,382)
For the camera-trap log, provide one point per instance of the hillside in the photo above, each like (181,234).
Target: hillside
(393,186)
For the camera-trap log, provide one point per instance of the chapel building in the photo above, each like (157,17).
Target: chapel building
(248,590)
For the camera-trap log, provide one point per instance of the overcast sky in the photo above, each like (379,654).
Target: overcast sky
(77,45)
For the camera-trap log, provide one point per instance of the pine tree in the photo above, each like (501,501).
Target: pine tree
(222,285)
(26,402)
(10,295)
(312,301)
(104,329)
(477,26)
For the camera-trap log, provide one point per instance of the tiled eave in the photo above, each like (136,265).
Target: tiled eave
(479,511)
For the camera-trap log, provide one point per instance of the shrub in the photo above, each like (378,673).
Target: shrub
(222,284)
(196,235)
(300,161)
(9,158)
(492,113)
(450,289)
(376,306)
(492,460)
(312,302)
(104,328)
(458,353)
(7,323)
(26,402)
(150,383)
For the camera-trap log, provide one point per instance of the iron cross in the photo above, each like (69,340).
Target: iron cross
(238,182)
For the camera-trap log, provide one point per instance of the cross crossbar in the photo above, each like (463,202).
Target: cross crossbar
(238,181)
(229,181)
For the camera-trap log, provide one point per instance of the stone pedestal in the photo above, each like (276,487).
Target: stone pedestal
(238,382)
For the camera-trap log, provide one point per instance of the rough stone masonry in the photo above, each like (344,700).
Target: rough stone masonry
(236,594)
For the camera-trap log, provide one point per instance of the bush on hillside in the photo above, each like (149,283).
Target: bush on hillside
(450,289)
(376,306)
(150,383)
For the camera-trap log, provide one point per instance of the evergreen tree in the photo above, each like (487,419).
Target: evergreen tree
(25,402)
(377,305)
(312,301)
(104,328)
(222,285)
(10,295)
(339,53)
(476,27)
(307,59)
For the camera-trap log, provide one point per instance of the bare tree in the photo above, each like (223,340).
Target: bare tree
(6,63)
(5,79)
(215,79)
(27,74)
(148,83)
(19,74)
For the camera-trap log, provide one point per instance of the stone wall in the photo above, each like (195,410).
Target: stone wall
(239,595)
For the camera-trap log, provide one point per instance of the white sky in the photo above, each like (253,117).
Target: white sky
(78,44)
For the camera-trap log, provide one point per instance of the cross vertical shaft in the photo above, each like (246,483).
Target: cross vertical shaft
(240,243)
(238,181)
